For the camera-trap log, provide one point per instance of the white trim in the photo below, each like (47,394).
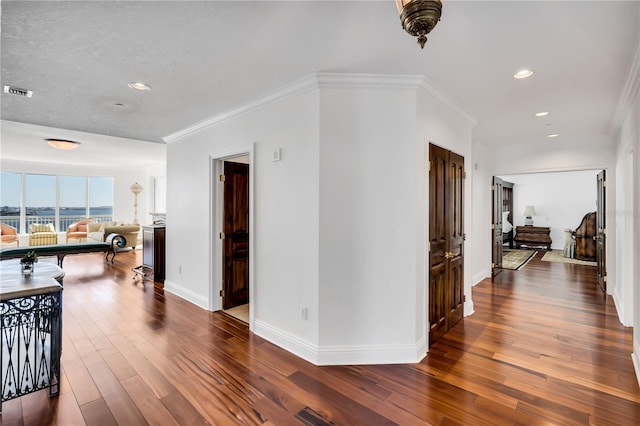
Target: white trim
(628,94)
(342,355)
(368,81)
(215,224)
(372,354)
(302,348)
(619,305)
(324,80)
(429,88)
(296,88)
(636,361)
(186,293)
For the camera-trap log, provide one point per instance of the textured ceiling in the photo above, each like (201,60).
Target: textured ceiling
(204,58)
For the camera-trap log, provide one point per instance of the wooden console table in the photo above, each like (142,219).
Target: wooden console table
(31,333)
(153,257)
(533,236)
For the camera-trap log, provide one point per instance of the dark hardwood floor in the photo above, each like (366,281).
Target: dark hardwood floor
(544,347)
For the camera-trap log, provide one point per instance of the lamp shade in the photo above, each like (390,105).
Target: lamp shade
(136,188)
(529,211)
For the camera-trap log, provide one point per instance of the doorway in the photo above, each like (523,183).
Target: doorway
(561,200)
(446,241)
(235,237)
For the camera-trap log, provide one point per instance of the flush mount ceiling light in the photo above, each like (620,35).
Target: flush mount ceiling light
(138,85)
(63,144)
(419,17)
(553,135)
(523,74)
(541,114)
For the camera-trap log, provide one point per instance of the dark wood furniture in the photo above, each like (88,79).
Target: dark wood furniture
(585,238)
(153,254)
(533,236)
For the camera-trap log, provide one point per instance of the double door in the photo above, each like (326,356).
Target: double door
(446,241)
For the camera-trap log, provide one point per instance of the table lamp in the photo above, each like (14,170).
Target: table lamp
(528,214)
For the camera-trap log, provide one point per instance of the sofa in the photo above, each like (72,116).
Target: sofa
(41,234)
(100,231)
(78,230)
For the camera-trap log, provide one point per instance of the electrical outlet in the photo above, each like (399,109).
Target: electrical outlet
(304,312)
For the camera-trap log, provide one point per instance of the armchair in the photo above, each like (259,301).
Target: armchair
(78,230)
(42,234)
(9,235)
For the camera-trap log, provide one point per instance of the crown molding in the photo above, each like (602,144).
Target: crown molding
(368,81)
(324,81)
(428,87)
(629,92)
(298,87)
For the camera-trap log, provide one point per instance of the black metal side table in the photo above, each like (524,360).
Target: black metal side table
(31,329)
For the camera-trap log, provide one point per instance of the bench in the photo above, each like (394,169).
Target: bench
(109,246)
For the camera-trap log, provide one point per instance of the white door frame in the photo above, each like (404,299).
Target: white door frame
(216,168)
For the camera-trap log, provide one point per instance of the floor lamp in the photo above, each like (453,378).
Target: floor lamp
(136,188)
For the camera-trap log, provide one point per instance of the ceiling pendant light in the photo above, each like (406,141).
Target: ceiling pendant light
(63,144)
(419,17)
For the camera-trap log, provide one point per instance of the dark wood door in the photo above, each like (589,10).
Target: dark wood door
(497,192)
(601,231)
(446,241)
(236,235)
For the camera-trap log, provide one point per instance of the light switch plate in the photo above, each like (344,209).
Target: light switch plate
(275,155)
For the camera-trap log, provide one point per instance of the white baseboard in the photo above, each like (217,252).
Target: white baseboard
(635,357)
(619,307)
(342,355)
(479,277)
(187,294)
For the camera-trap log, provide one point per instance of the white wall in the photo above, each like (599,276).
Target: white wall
(627,293)
(441,122)
(284,208)
(561,199)
(367,218)
(482,179)
(333,218)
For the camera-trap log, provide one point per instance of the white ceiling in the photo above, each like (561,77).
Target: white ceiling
(203,58)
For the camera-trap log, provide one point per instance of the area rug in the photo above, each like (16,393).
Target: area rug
(556,256)
(516,259)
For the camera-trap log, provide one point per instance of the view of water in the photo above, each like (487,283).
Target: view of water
(70,211)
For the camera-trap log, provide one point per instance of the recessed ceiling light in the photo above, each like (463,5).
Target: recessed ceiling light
(138,85)
(553,135)
(541,114)
(523,74)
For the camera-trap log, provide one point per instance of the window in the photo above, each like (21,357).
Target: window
(73,199)
(60,200)
(10,198)
(101,198)
(40,199)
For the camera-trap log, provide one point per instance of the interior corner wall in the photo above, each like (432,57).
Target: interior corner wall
(285,211)
(635,120)
(367,217)
(441,124)
(482,179)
